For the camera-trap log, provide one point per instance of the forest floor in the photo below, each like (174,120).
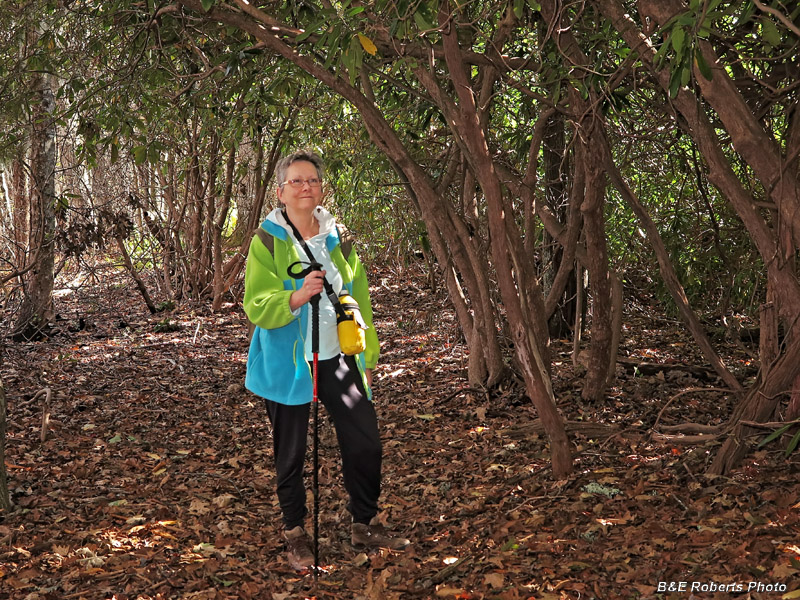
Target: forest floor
(155,480)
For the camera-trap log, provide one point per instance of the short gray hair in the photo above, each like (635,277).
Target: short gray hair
(305,155)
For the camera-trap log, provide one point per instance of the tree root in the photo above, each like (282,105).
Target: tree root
(693,428)
(586,428)
(685,439)
(681,393)
(648,368)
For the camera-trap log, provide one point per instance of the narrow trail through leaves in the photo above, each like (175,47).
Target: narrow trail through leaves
(156,478)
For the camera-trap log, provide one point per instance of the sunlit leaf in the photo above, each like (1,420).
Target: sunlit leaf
(139,154)
(367,44)
(770,32)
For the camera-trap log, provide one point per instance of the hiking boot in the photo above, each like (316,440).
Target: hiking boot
(299,552)
(374,536)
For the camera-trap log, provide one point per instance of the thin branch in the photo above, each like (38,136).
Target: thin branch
(21,272)
(778,15)
(770,424)
(262,17)
(683,392)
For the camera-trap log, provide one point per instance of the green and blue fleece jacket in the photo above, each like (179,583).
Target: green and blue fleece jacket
(276,365)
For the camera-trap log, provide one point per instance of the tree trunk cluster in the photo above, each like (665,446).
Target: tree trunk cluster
(516,198)
(36,312)
(776,238)
(483,215)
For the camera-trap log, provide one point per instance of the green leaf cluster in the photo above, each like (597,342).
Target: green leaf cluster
(780,432)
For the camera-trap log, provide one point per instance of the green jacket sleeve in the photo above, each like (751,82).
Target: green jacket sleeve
(361,295)
(266,301)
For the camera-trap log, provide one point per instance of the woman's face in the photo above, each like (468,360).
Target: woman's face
(304,198)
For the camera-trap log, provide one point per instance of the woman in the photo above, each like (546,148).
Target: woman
(278,363)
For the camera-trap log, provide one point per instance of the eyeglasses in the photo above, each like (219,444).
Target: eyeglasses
(299,183)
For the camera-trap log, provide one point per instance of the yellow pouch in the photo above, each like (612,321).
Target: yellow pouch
(350,327)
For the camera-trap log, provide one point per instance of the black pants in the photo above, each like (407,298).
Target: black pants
(342,393)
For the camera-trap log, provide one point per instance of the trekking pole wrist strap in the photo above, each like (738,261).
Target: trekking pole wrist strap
(349,326)
(329,291)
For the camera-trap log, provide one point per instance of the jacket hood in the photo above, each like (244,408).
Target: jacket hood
(327,223)
(276,225)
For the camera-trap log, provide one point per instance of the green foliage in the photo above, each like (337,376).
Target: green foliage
(141,91)
(166,305)
(166,325)
(712,254)
(780,432)
(365,192)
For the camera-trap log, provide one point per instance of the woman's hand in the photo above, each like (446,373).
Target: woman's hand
(312,285)
(368,373)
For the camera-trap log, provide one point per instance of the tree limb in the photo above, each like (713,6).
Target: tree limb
(778,15)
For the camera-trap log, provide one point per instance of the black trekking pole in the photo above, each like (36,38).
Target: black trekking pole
(313,266)
(315,408)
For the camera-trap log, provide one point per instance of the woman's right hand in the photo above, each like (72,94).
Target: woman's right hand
(312,285)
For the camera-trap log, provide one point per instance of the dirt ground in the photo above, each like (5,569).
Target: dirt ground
(155,478)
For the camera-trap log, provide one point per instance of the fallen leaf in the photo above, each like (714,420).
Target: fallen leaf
(495,580)
(224,500)
(204,548)
(783,570)
(446,591)
(198,507)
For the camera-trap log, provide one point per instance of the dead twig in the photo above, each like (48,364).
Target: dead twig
(530,501)
(689,471)
(697,439)
(48,394)
(685,439)
(587,428)
(450,569)
(682,393)
(693,428)
(463,391)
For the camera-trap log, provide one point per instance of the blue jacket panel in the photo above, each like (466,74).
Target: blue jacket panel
(276,364)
